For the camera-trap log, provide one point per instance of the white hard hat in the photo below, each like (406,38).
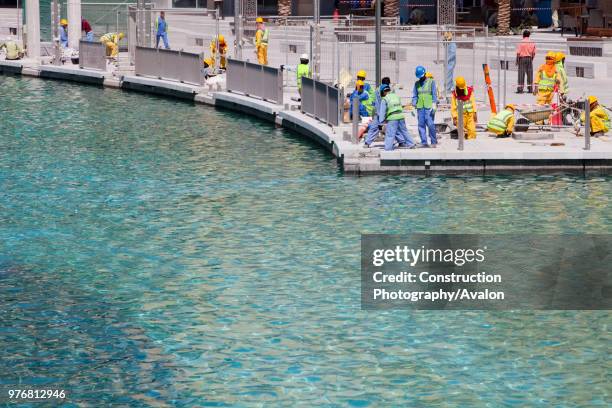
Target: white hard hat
(304,56)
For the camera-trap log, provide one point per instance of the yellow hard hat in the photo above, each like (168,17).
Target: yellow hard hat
(511,106)
(559,56)
(460,82)
(121,35)
(221,38)
(448,36)
(208,61)
(359,84)
(259,20)
(63,22)
(428,75)
(592,99)
(551,55)
(361,74)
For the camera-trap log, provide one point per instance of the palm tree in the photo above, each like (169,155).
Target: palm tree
(392,8)
(503,17)
(284,8)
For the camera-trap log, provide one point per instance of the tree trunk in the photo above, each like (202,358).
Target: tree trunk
(503,17)
(392,8)
(284,8)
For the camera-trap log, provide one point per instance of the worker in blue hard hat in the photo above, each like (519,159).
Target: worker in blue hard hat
(425,99)
(391,113)
(373,129)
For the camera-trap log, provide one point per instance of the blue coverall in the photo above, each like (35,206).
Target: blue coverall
(451,63)
(425,116)
(396,129)
(162,32)
(373,127)
(63,36)
(363,96)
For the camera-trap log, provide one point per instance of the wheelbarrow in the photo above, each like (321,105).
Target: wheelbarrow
(532,115)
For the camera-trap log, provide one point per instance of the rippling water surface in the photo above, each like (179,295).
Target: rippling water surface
(155,253)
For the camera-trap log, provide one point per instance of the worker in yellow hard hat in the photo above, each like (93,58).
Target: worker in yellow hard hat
(560,65)
(262,37)
(63,33)
(208,67)
(161,30)
(502,124)
(369,103)
(111,41)
(600,121)
(464,93)
(546,79)
(363,97)
(222,50)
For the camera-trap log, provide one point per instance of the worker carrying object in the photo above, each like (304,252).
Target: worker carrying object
(425,99)
(111,41)
(373,128)
(465,94)
(369,104)
(391,112)
(63,33)
(12,49)
(161,30)
(600,121)
(502,124)
(547,78)
(360,94)
(563,80)
(262,37)
(222,50)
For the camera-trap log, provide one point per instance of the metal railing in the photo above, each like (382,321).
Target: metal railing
(92,55)
(169,64)
(255,80)
(321,101)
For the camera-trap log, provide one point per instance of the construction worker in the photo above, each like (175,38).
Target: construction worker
(86,28)
(303,70)
(222,50)
(63,33)
(360,94)
(111,41)
(525,53)
(373,129)
(12,50)
(546,79)
(208,67)
(391,112)
(502,124)
(369,104)
(563,80)
(464,93)
(600,121)
(161,30)
(451,61)
(262,36)
(425,99)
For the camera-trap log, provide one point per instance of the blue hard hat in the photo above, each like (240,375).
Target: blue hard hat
(420,71)
(383,88)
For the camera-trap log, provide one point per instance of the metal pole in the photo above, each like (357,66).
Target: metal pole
(486,55)
(238,29)
(587,125)
(474,58)
(217,50)
(317,40)
(55,20)
(355,119)
(378,51)
(498,72)
(505,69)
(460,134)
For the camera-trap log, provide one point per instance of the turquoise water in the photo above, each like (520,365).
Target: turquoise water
(155,253)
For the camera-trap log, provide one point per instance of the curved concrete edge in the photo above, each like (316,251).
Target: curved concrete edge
(11,67)
(71,74)
(159,87)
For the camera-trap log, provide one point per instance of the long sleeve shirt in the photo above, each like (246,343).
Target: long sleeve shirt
(382,111)
(363,96)
(63,36)
(415,93)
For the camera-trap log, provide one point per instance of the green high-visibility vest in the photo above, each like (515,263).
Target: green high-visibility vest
(499,122)
(395,111)
(303,70)
(368,104)
(547,83)
(425,98)
(563,75)
(265,37)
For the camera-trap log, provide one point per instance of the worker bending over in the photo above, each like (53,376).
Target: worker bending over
(369,104)
(373,129)
(392,113)
(425,99)
(360,94)
(502,124)
(563,80)
(111,41)
(222,49)
(465,94)
(600,121)
(546,79)
(12,49)
(262,36)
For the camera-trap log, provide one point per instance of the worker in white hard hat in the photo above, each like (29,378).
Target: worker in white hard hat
(303,70)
